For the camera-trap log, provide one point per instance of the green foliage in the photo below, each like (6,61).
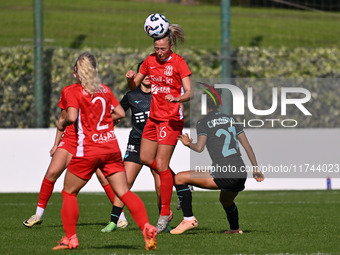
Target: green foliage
(274,222)
(258,62)
(16,87)
(17,93)
(317,70)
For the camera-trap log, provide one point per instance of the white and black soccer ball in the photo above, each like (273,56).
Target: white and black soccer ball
(156,25)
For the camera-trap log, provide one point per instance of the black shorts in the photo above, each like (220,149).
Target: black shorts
(132,153)
(230,184)
(230,181)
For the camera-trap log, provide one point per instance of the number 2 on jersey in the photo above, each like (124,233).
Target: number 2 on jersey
(102,100)
(226,150)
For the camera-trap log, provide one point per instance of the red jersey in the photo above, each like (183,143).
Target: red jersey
(165,78)
(69,135)
(94,125)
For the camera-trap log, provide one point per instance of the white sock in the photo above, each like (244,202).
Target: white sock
(40,211)
(188,218)
(122,216)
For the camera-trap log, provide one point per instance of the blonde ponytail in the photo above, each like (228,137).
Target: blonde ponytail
(176,34)
(86,68)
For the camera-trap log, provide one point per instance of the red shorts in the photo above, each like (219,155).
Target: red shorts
(163,132)
(84,167)
(69,145)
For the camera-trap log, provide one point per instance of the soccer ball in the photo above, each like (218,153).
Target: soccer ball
(156,25)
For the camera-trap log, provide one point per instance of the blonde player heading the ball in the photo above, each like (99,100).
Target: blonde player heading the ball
(170,86)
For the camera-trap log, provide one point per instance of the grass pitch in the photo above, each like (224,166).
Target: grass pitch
(274,222)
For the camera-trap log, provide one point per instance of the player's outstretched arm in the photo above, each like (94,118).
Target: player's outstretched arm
(258,175)
(187,141)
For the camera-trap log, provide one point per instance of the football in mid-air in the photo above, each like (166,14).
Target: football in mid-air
(156,25)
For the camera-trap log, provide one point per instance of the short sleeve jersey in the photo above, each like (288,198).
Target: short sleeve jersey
(94,125)
(221,132)
(139,103)
(165,78)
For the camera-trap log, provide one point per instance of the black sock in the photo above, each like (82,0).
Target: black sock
(115,213)
(232,216)
(185,198)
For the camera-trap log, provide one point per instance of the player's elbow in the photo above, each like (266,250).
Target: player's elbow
(71,118)
(132,85)
(118,112)
(199,148)
(121,114)
(192,94)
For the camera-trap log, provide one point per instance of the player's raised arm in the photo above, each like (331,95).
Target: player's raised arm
(133,79)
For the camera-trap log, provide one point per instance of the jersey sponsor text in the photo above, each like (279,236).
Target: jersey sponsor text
(155,89)
(220,121)
(104,137)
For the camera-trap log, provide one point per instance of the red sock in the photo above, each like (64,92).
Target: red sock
(45,192)
(136,208)
(167,182)
(109,192)
(153,166)
(69,213)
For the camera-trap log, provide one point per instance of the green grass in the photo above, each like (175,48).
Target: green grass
(110,23)
(274,222)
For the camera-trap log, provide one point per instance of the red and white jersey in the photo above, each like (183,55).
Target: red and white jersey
(94,125)
(165,78)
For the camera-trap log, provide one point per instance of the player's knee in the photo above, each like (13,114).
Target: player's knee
(145,160)
(226,201)
(179,179)
(162,164)
(121,191)
(53,174)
